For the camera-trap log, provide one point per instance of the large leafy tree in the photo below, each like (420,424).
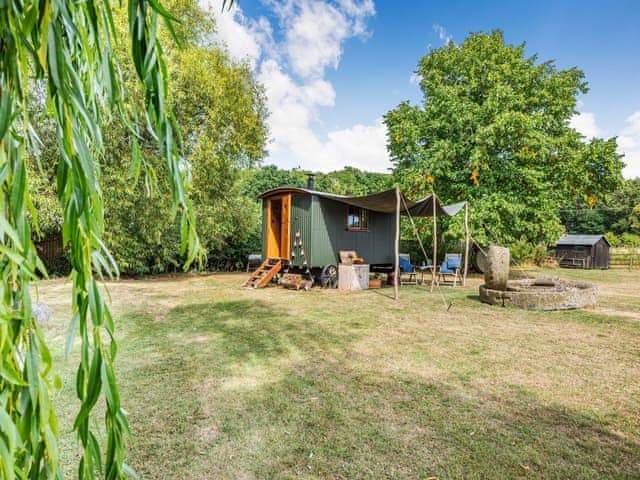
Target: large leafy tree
(69,47)
(221,111)
(493,129)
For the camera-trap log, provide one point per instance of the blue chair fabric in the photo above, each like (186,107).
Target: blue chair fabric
(407,268)
(450,267)
(451,264)
(405,265)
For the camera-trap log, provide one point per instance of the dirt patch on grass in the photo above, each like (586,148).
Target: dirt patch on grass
(617,313)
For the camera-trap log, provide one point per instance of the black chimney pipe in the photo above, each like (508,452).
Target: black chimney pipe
(310,183)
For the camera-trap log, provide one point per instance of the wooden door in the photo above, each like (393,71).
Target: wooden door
(285,227)
(274,209)
(279,227)
(600,260)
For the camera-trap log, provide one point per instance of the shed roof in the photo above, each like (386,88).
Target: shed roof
(384,202)
(582,240)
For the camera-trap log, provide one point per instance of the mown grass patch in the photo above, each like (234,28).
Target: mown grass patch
(222,382)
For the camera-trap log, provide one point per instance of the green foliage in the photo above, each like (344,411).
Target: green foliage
(221,110)
(351,181)
(522,251)
(623,240)
(619,214)
(43,193)
(493,130)
(584,220)
(625,208)
(348,181)
(42,174)
(69,47)
(259,180)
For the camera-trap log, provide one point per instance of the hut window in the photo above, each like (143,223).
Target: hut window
(357,219)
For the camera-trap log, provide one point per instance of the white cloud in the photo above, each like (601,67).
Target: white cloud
(241,36)
(628,138)
(293,73)
(585,123)
(295,143)
(360,146)
(358,11)
(629,144)
(319,92)
(314,38)
(631,133)
(315,31)
(632,159)
(442,34)
(291,106)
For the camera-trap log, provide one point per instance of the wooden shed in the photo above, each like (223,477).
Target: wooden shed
(583,251)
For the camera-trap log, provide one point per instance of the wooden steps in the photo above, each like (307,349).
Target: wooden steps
(264,273)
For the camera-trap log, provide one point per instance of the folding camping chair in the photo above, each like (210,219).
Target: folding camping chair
(407,269)
(449,270)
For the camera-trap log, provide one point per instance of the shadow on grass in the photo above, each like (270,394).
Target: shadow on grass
(330,423)
(321,417)
(180,361)
(236,331)
(384,292)
(251,329)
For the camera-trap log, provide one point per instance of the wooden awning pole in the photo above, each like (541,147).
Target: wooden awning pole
(396,276)
(466,243)
(435,243)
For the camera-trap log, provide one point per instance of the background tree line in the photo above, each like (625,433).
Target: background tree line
(618,216)
(493,129)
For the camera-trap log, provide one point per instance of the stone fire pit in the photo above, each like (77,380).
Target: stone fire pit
(542,294)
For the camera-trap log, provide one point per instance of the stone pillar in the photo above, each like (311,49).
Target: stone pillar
(497,272)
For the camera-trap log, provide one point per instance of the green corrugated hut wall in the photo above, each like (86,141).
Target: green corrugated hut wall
(322,223)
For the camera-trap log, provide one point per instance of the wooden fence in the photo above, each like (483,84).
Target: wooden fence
(622,257)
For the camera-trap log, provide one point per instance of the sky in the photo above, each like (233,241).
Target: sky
(333,68)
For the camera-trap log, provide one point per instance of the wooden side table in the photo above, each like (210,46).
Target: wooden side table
(422,269)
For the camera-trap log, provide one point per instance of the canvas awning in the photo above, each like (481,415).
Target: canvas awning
(395,202)
(384,202)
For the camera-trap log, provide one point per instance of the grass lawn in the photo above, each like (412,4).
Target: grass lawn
(226,383)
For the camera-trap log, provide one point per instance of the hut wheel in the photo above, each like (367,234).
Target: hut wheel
(329,276)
